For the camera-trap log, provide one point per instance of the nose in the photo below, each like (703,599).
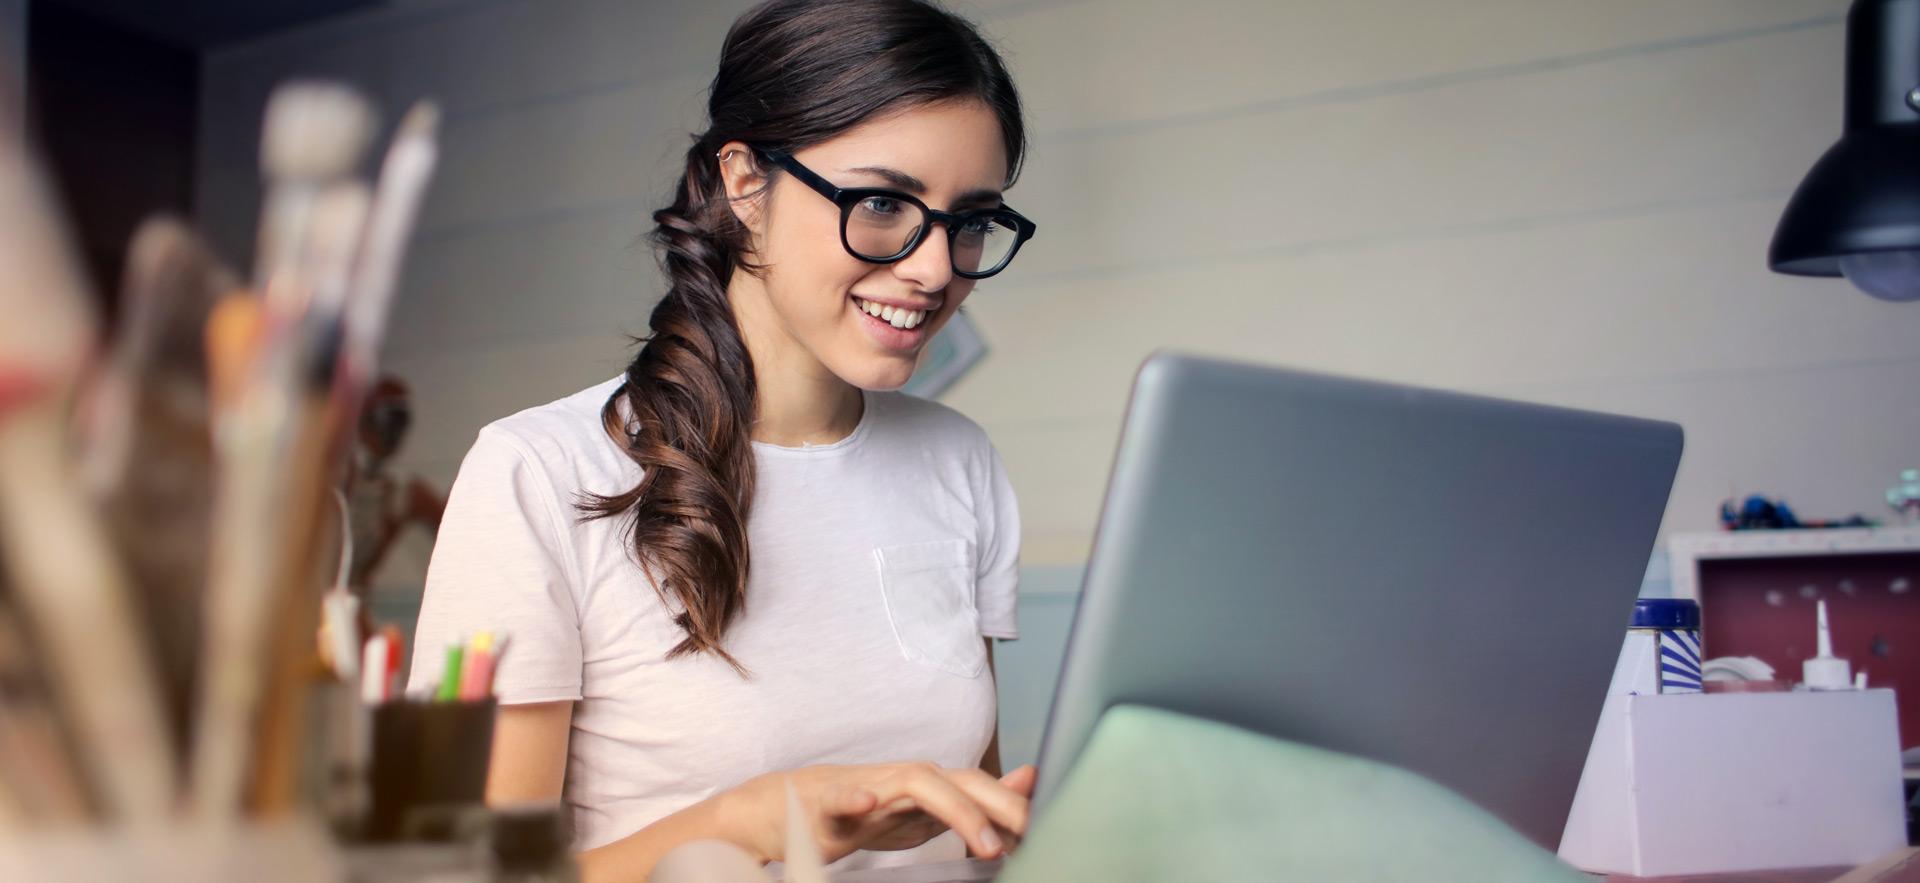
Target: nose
(930,267)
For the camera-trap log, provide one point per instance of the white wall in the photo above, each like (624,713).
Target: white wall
(1565,201)
(1561,200)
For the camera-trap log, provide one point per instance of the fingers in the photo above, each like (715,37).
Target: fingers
(848,800)
(1010,841)
(845,807)
(1021,780)
(1006,806)
(940,797)
(990,814)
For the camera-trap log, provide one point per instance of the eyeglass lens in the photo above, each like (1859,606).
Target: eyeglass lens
(880,228)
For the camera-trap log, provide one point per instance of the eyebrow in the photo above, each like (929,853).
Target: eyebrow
(913,185)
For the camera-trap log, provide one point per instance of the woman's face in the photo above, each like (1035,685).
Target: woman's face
(818,296)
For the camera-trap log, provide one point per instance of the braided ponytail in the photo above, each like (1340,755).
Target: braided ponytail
(793,73)
(688,409)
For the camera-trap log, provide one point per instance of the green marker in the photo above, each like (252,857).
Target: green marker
(450,679)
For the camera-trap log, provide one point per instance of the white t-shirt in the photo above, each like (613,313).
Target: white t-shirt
(878,562)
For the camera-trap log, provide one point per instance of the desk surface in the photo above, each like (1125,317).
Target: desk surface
(1899,867)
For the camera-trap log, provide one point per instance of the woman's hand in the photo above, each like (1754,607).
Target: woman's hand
(883,806)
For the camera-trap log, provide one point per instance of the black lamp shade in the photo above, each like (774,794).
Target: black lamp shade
(1864,193)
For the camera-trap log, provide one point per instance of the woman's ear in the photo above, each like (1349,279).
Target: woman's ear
(744,179)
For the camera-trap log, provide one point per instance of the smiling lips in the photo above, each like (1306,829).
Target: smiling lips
(898,317)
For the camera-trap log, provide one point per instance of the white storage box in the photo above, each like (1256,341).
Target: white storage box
(1722,782)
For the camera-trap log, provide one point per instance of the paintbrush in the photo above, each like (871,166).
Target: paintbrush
(155,368)
(151,396)
(361,303)
(401,189)
(70,588)
(310,473)
(802,860)
(272,445)
(313,139)
(36,771)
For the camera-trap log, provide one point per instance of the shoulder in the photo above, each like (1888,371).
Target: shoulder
(564,441)
(931,423)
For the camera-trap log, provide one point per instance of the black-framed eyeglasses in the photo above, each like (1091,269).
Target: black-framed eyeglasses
(883,226)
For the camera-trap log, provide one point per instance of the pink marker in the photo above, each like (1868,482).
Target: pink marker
(476,678)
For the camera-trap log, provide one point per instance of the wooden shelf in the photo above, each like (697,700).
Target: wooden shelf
(1685,551)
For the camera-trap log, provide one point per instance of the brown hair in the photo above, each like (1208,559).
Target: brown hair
(793,73)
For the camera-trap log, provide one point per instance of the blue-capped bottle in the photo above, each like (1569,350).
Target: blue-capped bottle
(1662,652)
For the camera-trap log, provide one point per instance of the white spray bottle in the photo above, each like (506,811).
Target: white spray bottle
(1826,671)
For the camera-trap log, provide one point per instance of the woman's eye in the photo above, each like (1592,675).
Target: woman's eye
(977,228)
(880,205)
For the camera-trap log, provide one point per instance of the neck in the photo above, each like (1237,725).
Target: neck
(800,402)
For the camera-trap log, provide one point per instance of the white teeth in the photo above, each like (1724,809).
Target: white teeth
(898,317)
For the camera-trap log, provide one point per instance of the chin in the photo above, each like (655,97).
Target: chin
(880,375)
(888,381)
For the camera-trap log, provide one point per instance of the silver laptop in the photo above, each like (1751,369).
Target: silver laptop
(1433,580)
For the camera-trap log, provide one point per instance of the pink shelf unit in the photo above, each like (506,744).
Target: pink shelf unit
(1757,591)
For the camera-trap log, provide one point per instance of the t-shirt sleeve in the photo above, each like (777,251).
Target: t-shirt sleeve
(501,563)
(997,587)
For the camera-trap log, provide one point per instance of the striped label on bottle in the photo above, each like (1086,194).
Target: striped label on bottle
(1679,661)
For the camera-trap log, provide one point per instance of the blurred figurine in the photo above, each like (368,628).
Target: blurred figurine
(1904,496)
(1759,513)
(380,505)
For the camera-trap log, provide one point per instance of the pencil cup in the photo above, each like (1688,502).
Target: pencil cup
(429,767)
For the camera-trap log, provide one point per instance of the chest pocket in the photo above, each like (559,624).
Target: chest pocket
(928,590)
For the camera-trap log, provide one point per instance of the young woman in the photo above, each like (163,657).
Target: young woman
(750,561)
